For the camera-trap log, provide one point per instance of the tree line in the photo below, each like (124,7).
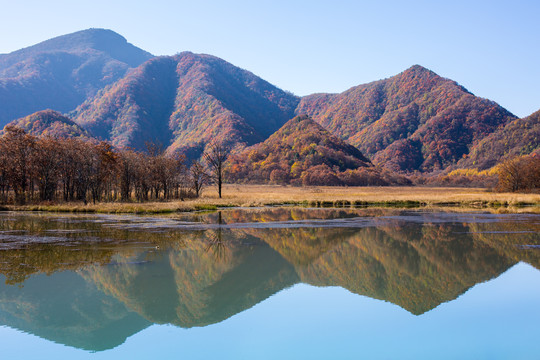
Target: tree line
(49,169)
(46,169)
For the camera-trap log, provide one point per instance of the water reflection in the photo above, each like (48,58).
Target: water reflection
(92,281)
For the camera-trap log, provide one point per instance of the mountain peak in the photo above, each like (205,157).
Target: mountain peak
(417,67)
(62,72)
(93,38)
(80,39)
(104,40)
(416,120)
(420,71)
(186,101)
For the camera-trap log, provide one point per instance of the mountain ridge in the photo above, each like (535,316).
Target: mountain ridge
(518,137)
(62,72)
(207,99)
(416,110)
(413,121)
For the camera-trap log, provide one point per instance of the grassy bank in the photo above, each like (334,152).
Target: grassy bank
(321,196)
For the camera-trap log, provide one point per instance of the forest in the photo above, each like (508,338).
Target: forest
(47,169)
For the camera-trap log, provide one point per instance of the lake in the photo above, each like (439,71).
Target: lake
(270,283)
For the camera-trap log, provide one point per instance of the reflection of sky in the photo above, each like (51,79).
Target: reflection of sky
(494,320)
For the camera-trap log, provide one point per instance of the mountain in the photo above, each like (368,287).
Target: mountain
(50,123)
(518,137)
(185,101)
(415,120)
(61,73)
(66,309)
(301,150)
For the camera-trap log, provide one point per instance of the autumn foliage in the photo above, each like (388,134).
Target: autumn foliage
(520,174)
(519,137)
(416,120)
(413,123)
(60,169)
(50,123)
(185,102)
(62,72)
(304,153)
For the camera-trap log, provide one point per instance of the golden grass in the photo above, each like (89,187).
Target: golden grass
(264,195)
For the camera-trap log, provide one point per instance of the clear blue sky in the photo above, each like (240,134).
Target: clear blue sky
(490,47)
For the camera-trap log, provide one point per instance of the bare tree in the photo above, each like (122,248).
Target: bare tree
(46,167)
(104,163)
(199,177)
(19,151)
(520,174)
(215,156)
(4,184)
(127,174)
(82,170)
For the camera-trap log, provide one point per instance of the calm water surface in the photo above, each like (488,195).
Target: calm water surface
(270,284)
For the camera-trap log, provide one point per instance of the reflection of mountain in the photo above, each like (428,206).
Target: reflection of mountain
(199,278)
(417,273)
(206,282)
(66,309)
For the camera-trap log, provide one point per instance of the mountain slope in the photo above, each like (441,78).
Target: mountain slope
(61,73)
(519,137)
(300,147)
(184,102)
(50,123)
(415,120)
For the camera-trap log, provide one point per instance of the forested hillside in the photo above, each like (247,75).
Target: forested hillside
(416,120)
(63,72)
(303,152)
(519,137)
(185,101)
(50,123)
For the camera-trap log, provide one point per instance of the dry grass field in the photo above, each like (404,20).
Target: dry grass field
(457,199)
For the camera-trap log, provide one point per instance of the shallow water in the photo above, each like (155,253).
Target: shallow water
(270,283)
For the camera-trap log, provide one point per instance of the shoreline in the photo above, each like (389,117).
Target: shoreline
(249,196)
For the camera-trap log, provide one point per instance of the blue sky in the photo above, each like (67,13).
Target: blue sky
(490,47)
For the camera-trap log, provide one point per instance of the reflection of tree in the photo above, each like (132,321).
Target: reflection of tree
(201,277)
(18,265)
(47,244)
(216,244)
(517,241)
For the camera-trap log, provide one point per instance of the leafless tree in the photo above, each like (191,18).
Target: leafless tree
(199,177)
(46,167)
(85,170)
(19,149)
(215,156)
